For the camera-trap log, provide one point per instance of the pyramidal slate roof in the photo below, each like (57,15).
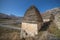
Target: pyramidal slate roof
(32,15)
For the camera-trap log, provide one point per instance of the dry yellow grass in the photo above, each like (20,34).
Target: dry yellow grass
(54,30)
(9,34)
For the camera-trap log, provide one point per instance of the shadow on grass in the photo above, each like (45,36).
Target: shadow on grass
(45,26)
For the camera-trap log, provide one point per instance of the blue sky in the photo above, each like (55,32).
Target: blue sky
(18,7)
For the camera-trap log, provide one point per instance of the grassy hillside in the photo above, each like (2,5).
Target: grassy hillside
(54,30)
(9,34)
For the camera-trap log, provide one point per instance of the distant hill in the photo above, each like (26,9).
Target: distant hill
(53,11)
(5,16)
(10,19)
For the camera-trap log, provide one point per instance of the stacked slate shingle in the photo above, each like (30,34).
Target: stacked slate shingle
(32,15)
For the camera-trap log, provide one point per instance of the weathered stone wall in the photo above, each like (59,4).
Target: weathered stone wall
(30,28)
(57,20)
(39,25)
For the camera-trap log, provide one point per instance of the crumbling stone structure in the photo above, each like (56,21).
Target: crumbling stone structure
(52,17)
(32,21)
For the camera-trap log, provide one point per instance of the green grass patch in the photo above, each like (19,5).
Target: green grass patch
(54,30)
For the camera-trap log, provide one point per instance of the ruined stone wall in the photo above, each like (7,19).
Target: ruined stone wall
(57,20)
(30,28)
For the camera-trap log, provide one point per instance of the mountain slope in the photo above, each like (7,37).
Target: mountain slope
(53,11)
